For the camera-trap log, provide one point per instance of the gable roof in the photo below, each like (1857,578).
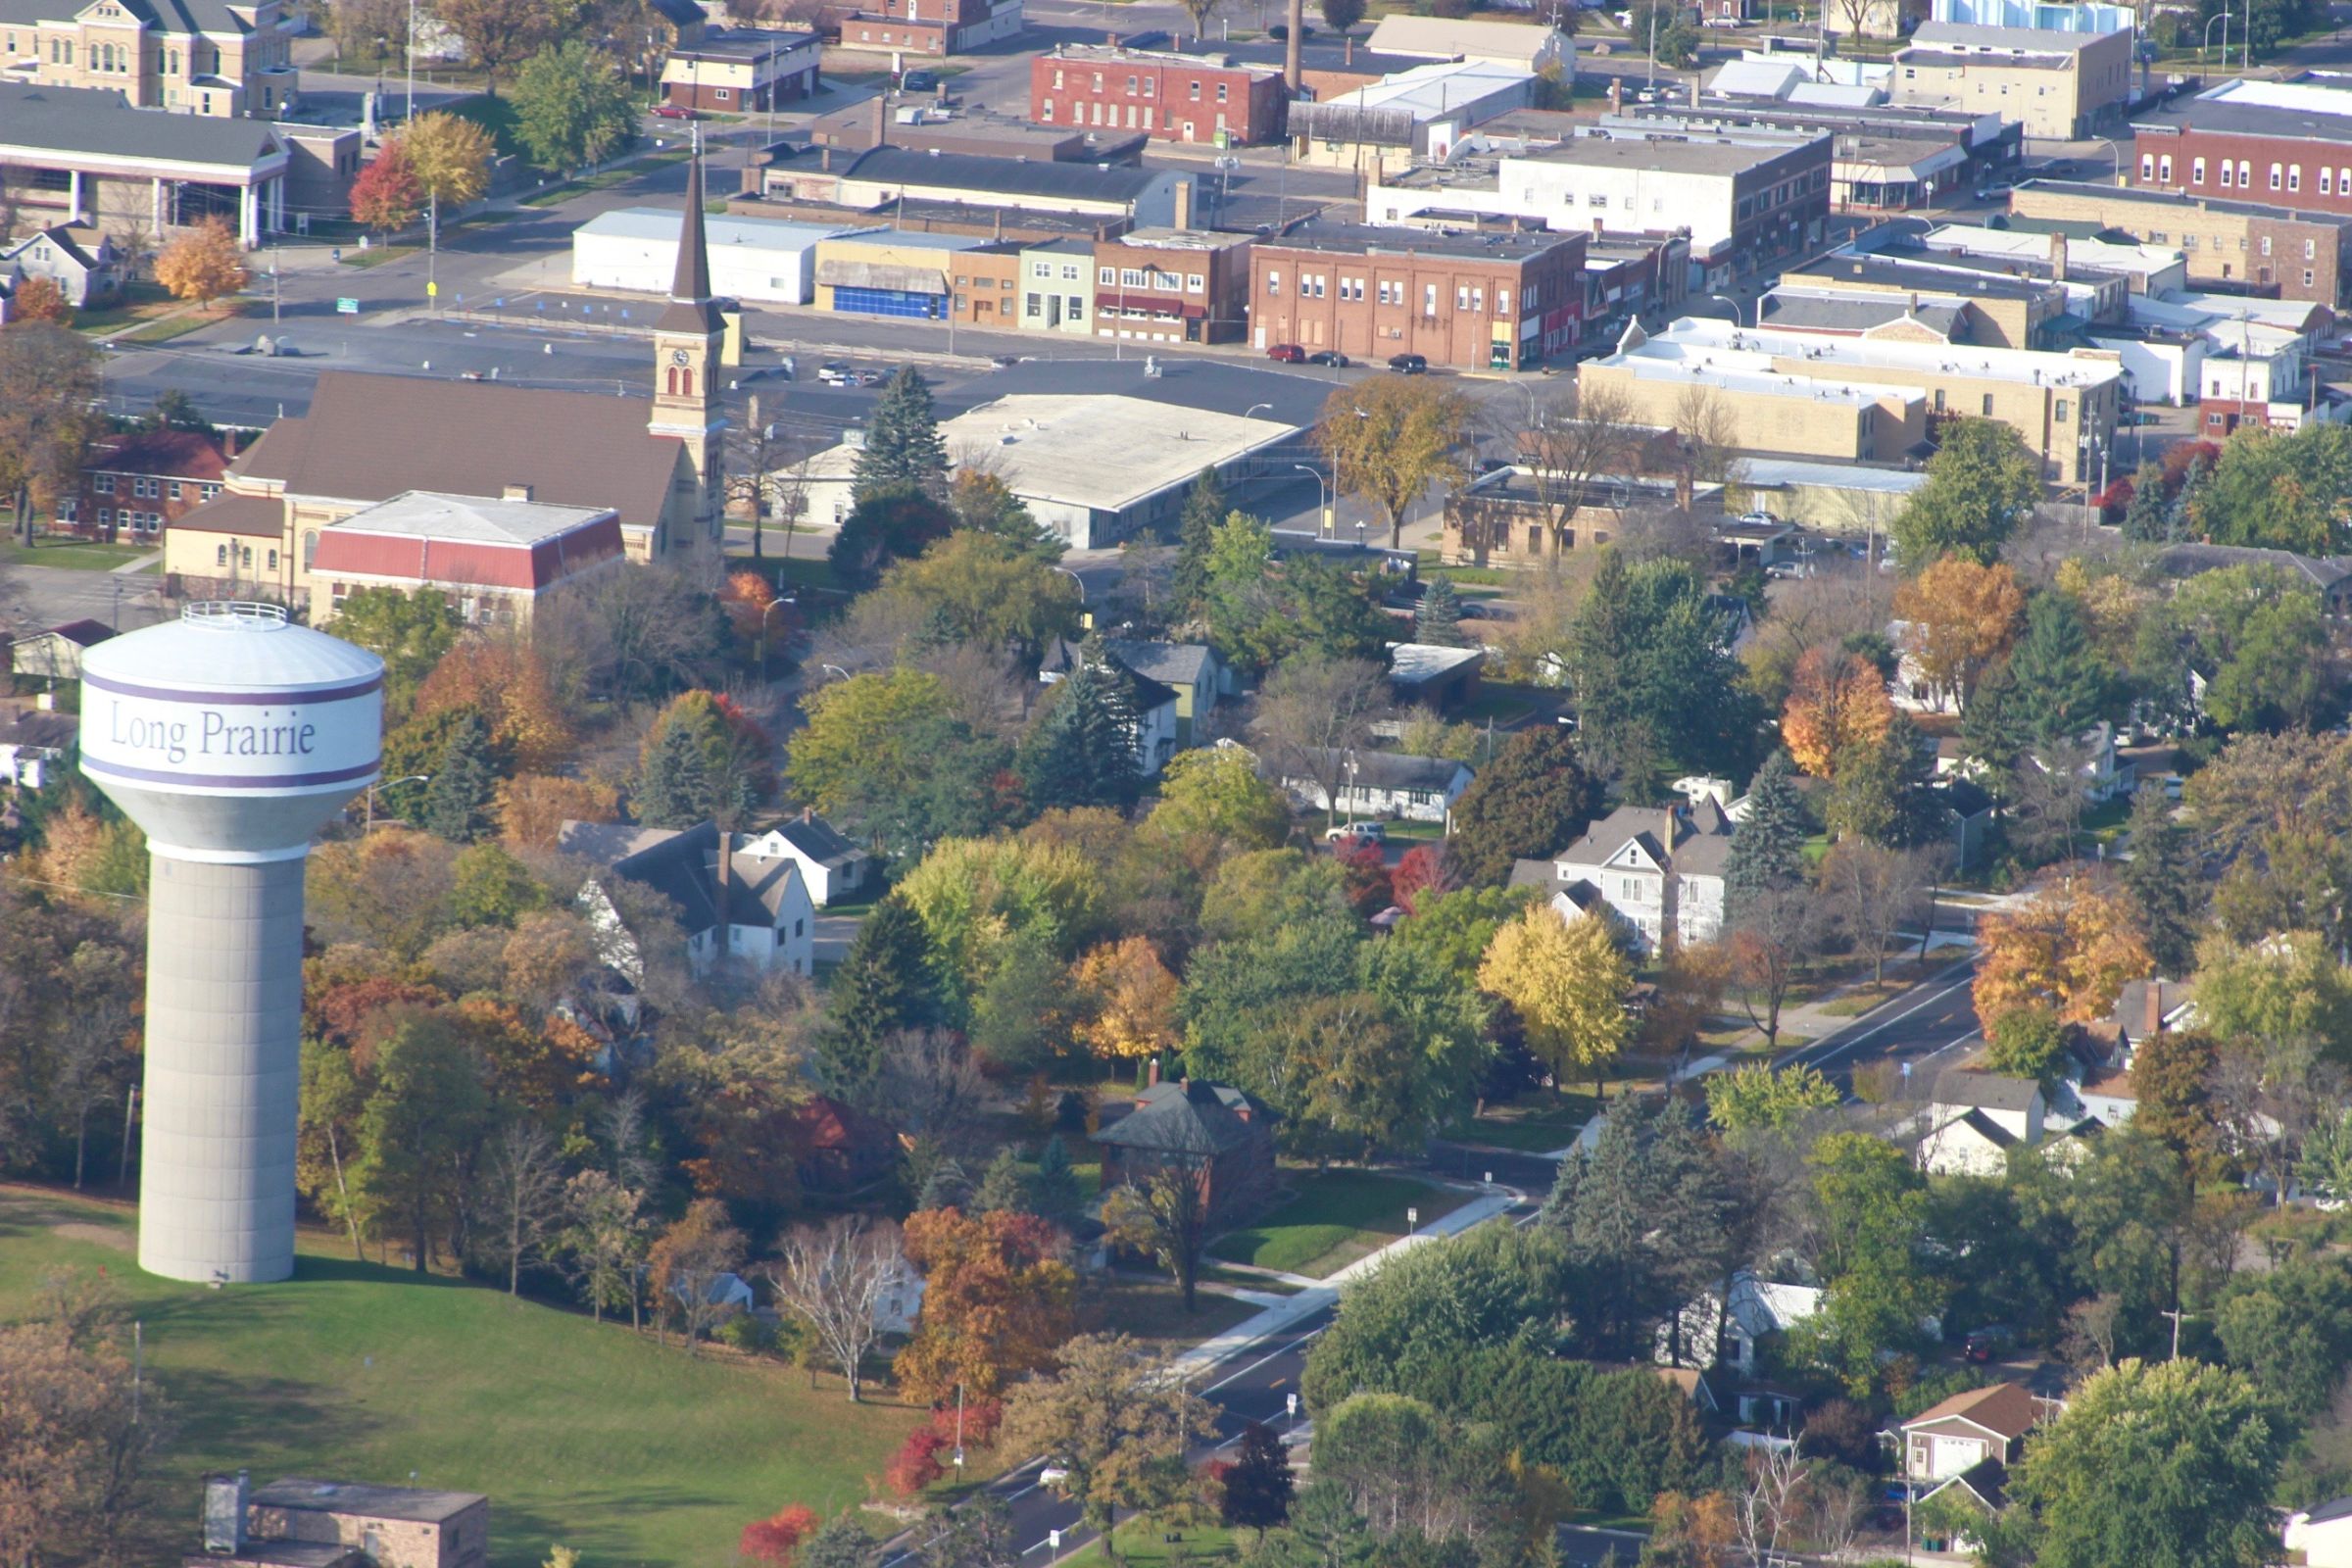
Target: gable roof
(1389,770)
(183,453)
(816,838)
(2006,1409)
(1189,1118)
(372,437)
(80,633)
(1169,664)
(1702,843)
(681,864)
(1987,1091)
(60,237)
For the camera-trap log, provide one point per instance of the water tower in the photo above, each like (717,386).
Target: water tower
(231,736)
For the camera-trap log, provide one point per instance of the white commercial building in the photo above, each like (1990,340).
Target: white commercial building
(1530,46)
(1421,113)
(762,258)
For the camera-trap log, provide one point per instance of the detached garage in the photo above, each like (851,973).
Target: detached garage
(762,259)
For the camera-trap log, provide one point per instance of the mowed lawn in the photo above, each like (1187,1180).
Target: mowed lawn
(1333,1219)
(628,1451)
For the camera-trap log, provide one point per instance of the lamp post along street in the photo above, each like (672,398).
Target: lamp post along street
(411,114)
(1322,498)
(368,799)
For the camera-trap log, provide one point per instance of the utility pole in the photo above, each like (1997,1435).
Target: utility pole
(2175,1315)
(411,113)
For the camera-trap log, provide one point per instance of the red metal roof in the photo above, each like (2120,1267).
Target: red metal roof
(530,569)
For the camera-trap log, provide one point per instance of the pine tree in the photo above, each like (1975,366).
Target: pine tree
(2163,881)
(674,788)
(1081,751)
(886,983)
(2180,519)
(2144,517)
(1439,620)
(2062,684)
(947,1186)
(1203,509)
(1054,1189)
(456,802)
(902,439)
(1768,849)
(1004,1185)
(1258,1487)
(840,1542)
(1993,727)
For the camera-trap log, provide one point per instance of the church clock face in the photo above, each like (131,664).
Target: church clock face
(679,357)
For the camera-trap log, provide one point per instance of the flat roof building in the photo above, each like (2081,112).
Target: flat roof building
(2281,143)
(745,71)
(1523,45)
(884,175)
(1421,113)
(397,1527)
(494,559)
(2058,84)
(1163,93)
(1472,301)
(635,249)
(2305,255)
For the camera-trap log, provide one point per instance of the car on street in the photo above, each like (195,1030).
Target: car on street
(1365,832)
(920,82)
(674,111)
(1286,353)
(1408,364)
(1784,570)
(1054,1474)
(1994,194)
(1990,1340)
(834,373)
(1330,356)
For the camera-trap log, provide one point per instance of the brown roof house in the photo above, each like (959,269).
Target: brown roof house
(1951,1440)
(1219,1132)
(368,438)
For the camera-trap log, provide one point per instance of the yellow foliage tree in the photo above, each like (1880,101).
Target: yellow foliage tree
(1135,999)
(1569,982)
(202,264)
(451,156)
(1963,617)
(1390,438)
(532,807)
(2070,948)
(1837,701)
(504,677)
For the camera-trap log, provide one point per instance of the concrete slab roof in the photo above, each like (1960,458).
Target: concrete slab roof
(1103,453)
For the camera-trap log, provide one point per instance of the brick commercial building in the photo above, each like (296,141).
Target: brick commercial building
(931,27)
(1474,301)
(2302,255)
(494,559)
(2061,85)
(2280,143)
(1173,285)
(1163,93)
(746,72)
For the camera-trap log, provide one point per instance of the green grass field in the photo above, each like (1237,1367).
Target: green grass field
(72,554)
(1333,1219)
(628,1451)
(1537,1124)
(1141,1541)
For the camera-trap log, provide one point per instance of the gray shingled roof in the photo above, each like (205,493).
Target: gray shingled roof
(86,120)
(1170,663)
(681,866)
(816,838)
(1389,770)
(1187,1118)
(1700,848)
(1988,1091)
(1000,177)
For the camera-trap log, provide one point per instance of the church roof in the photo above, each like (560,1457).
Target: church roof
(690,306)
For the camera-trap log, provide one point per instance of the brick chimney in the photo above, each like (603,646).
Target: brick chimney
(516,492)
(1184,203)
(1616,96)
(2155,1008)
(228,443)
(2058,257)
(722,875)
(881,120)
(1151,1079)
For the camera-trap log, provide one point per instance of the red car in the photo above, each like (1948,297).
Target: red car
(674,111)
(1286,353)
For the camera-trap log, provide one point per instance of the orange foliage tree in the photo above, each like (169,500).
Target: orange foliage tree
(203,264)
(998,1301)
(532,807)
(1837,701)
(2070,948)
(775,1540)
(1962,618)
(387,194)
(746,598)
(39,299)
(1135,999)
(507,680)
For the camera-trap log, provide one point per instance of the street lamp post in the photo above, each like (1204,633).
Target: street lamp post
(411,113)
(2224,20)
(1253,408)
(773,605)
(835,670)
(1734,305)
(1322,499)
(367,806)
(1074,577)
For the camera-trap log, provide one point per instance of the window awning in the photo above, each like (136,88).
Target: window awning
(1123,303)
(881,274)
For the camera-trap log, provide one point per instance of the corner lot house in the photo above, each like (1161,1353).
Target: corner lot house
(734,903)
(1219,1132)
(1976,1118)
(1657,868)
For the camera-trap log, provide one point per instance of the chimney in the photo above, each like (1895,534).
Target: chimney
(1186,1083)
(2155,1004)
(1348,56)
(1616,96)
(2058,257)
(1672,821)
(808,814)
(228,443)
(881,121)
(724,873)
(1694,89)
(1184,203)
(1151,1081)
(516,492)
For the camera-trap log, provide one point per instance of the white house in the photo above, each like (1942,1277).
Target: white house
(735,903)
(900,1300)
(33,746)
(1530,46)
(831,867)
(1655,868)
(86,270)
(1373,784)
(1758,1307)
(1975,1118)
(2322,1535)
(1156,724)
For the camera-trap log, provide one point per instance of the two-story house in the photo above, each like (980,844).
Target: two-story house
(137,485)
(830,865)
(1975,1118)
(735,905)
(1657,868)
(1156,726)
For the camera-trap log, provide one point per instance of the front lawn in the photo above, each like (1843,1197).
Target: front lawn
(1331,1220)
(588,1435)
(1153,1311)
(73,555)
(1535,1123)
(1144,1540)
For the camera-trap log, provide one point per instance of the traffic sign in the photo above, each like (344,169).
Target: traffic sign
(432,290)
(346,305)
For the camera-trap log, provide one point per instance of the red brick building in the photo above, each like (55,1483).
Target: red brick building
(2280,143)
(141,483)
(1163,93)
(1173,285)
(930,27)
(1471,301)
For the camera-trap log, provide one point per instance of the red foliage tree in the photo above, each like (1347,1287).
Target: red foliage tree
(929,1449)
(1423,869)
(774,1541)
(2177,459)
(1367,871)
(387,194)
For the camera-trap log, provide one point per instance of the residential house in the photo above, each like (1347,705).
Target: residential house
(1372,784)
(1222,1134)
(141,483)
(55,654)
(85,268)
(831,867)
(1154,703)
(1954,1436)
(1975,1118)
(1714,1334)
(34,745)
(1655,869)
(2323,1536)
(1192,670)
(734,904)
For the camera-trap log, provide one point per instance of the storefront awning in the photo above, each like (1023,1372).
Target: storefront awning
(1130,303)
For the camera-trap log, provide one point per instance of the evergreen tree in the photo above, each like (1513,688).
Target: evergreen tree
(1993,727)
(1054,1189)
(2180,516)
(902,439)
(1081,751)
(2144,519)
(457,800)
(1257,1488)
(674,788)
(2062,684)
(886,983)
(1530,799)
(1768,849)
(947,1186)
(2164,883)
(1004,1185)
(839,1543)
(1439,620)
(1203,509)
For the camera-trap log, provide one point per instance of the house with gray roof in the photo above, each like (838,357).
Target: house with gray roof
(1369,783)
(1974,1118)
(830,865)
(1656,869)
(85,268)
(1219,1134)
(735,903)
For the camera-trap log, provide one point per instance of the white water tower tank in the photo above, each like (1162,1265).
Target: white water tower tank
(231,736)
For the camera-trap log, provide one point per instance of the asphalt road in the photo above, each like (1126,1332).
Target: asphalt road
(1925,1029)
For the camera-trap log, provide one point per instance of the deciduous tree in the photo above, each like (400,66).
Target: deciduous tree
(1962,617)
(1389,439)
(834,1276)
(40,299)
(1119,1422)
(526,1192)
(1982,483)
(49,382)
(203,265)
(2070,948)
(571,108)
(498,34)
(388,195)
(684,1265)
(1837,707)
(1570,982)
(998,1302)
(1318,711)
(1134,1000)
(1166,1218)
(1756,1098)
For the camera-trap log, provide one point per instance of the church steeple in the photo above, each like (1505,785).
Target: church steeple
(688,338)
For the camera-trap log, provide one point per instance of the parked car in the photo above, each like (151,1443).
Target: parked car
(674,111)
(1408,364)
(920,82)
(1055,1472)
(1280,32)
(1994,1338)
(1759,519)
(1331,356)
(1286,353)
(1367,832)
(834,373)
(1994,194)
